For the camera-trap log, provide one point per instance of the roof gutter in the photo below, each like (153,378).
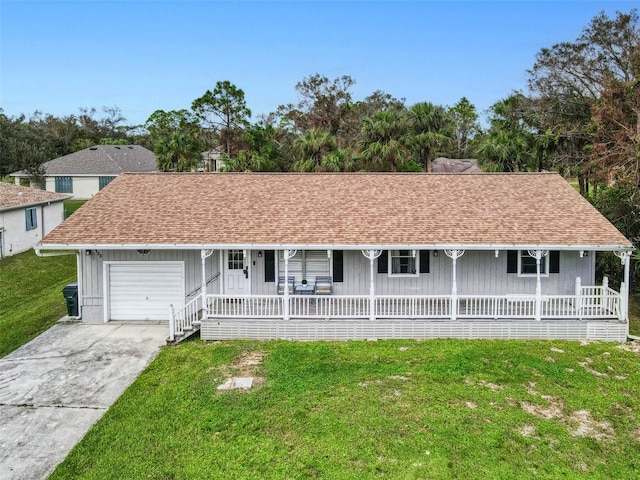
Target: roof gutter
(314,246)
(36,204)
(40,253)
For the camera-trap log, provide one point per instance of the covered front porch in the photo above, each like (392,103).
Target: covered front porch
(587,312)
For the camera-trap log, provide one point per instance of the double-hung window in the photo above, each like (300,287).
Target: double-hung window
(528,265)
(64,185)
(403,262)
(31,215)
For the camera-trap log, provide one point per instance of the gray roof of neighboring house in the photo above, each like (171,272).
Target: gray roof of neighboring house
(16,196)
(455,165)
(102,160)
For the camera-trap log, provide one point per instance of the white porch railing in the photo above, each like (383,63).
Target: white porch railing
(431,306)
(592,302)
(245,306)
(184,319)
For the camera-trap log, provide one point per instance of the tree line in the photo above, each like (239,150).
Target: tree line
(580,117)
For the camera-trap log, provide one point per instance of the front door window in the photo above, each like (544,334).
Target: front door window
(236,260)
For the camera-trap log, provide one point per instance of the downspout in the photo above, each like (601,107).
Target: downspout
(80,277)
(627,261)
(625,258)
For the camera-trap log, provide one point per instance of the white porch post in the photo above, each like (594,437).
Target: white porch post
(287,255)
(286,285)
(625,258)
(578,305)
(204,254)
(172,324)
(222,259)
(538,255)
(454,255)
(372,255)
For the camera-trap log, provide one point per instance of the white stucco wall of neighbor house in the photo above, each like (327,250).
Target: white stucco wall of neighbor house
(84,187)
(14,236)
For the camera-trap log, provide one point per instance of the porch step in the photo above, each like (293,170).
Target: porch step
(187,334)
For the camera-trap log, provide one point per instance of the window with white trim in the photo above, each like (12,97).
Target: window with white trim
(527,265)
(31,215)
(403,263)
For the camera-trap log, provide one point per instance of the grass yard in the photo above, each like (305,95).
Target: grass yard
(387,409)
(31,296)
(71,206)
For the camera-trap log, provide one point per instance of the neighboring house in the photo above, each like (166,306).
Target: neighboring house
(341,256)
(212,161)
(86,172)
(26,216)
(455,165)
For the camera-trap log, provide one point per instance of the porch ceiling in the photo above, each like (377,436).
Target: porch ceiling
(338,210)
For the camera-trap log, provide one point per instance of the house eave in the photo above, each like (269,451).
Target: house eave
(35,204)
(313,246)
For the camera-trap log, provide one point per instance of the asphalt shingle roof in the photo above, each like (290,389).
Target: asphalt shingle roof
(338,210)
(102,160)
(16,196)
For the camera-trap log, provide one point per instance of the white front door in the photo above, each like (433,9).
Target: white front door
(236,273)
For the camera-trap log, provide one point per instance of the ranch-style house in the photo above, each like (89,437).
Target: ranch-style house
(347,256)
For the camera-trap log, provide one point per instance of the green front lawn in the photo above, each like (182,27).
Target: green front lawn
(387,409)
(31,296)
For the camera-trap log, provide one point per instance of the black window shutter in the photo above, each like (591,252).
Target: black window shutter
(424,261)
(512,261)
(383,262)
(269,266)
(554,261)
(337,256)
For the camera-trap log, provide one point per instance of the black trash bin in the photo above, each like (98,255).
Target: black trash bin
(70,293)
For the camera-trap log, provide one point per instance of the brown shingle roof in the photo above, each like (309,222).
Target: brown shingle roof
(16,196)
(338,210)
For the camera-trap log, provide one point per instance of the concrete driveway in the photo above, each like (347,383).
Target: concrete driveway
(53,389)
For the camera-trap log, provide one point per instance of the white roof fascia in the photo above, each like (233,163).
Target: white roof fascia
(36,204)
(240,246)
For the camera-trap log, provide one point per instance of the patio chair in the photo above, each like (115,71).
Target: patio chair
(291,282)
(323,285)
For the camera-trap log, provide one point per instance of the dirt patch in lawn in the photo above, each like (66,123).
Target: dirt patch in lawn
(246,366)
(578,423)
(630,347)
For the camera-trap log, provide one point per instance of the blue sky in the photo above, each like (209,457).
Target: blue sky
(146,55)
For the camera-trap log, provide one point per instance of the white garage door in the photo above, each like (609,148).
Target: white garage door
(144,291)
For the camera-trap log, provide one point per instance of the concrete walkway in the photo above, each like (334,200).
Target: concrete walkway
(53,389)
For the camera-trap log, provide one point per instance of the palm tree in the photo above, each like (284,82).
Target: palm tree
(510,143)
(382,140)
(338,161)
(431,130)
(180,152)
(311,147)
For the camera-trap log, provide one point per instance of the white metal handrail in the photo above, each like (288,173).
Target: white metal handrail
(185,318)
